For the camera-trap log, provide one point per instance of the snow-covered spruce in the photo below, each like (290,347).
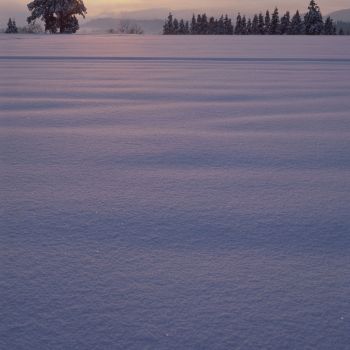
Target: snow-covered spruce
(11,27)
(313,20)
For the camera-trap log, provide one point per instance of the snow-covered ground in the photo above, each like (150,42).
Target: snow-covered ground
(174,192)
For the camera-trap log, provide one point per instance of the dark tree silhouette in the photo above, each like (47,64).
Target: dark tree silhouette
(261,24)
(255,25)
(313,20)
(285,26)
(329,27)
(58,15)
(297,25)
(168,27)
(11,27)
(267,22)
(275,23)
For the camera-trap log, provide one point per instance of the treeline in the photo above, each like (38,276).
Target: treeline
(261,24)
(32,28)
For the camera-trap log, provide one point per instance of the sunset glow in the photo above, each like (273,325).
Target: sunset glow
(98,7)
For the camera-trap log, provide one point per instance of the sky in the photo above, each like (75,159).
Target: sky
(17,8)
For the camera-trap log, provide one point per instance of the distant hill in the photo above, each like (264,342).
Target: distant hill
(149,26)
(151,20)
(162,13)
(341,15)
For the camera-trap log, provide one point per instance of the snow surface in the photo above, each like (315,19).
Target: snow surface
(185,193)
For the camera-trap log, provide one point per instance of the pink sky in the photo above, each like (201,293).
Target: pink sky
(17,8)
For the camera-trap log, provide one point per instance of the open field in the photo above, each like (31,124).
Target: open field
(174,192)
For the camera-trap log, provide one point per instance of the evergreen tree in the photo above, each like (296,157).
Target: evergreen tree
(244,26)
(313,20)
(182,29)
(211,26)
(168,28)
(220,26)
(216,26)
(261,24)
(193,28)
(204,24)
(267,22)
(199,24)
(238,27)
(187,28)
(11,27)
(285,27)
(329,27)
(14,27)
(176,26)
(57,14)
(275,23)
(341,31)
(228,27)
(255,25)
(297,25)
(249,27)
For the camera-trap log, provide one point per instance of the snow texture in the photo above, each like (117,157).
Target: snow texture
(174,192)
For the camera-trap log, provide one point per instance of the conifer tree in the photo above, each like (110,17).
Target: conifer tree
(249,26)
(182,29)
(14,27)
(228,27)
(341,31)
(211,26)
(255,25)
(313,20)
(168,28)
(216,26)
(187,28)
(165,28)
(261,24)
(11,27)
(199,24)
(285,27)
(275,23)
(221,26)
(176,26)
(329,27)
(193,28)
(297,25)
(267,22)
(244,26)
(204,24)
(238,27)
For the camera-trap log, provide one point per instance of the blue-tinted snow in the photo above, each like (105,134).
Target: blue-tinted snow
(198,203)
